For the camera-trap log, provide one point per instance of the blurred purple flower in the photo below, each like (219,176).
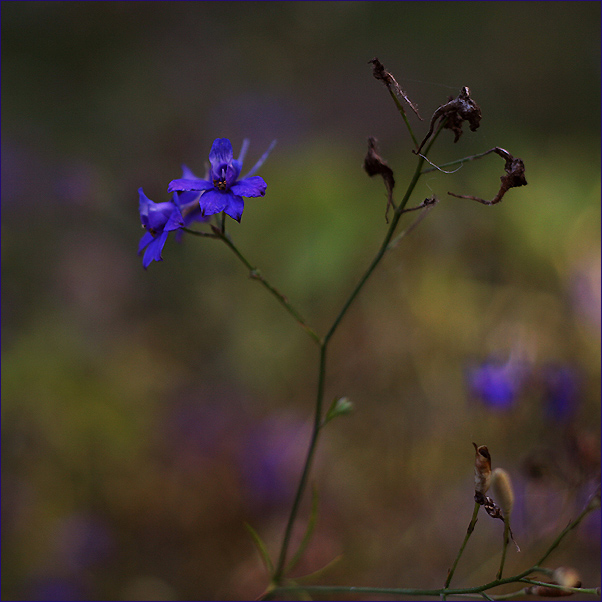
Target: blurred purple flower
(59,589)
(81,541)
(496,384)
(270,455)
(224,191)
(561,389)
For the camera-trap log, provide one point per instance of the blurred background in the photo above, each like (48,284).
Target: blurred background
(147,415)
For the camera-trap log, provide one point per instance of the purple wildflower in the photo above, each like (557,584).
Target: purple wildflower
(224,191)
(561,391)
(159,219)
(495,384)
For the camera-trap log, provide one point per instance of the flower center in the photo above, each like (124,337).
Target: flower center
(220,184)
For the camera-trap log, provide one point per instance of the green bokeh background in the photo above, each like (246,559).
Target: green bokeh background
(147,415)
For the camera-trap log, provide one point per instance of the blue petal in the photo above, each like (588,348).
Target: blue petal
(243,151)
(187,173)
(232,173)
(143,206)
(159,214)
(221,152)
(235,206)
(213,202)
(153,252)
(184,198)
(175,220)
(262,159)
(145,241)
(183,184)
(250,187)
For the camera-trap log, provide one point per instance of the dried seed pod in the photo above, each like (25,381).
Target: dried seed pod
(502,490)
(482,469)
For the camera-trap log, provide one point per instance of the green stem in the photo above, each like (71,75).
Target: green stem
(402,591)
(403,114)
(471,526)
(257,275)
(379,255)
(505,546)
(467,591)
(280,566)
(593,504)
(278,573)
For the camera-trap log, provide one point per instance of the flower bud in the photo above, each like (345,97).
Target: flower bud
(502,490)
(482,468)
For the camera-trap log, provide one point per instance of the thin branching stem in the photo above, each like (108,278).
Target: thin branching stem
(256,274)
(403,114)
(465,592)
(471,526)
(281,564)
(504,546)
(457,161)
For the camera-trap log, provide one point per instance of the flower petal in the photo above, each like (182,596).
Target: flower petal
(145,241)
(235,206)
(261,160)
(221,152)
(183,184)
(175,221)
(181,199)
(213,202)
(187,173)
(153,252)
(250,187)
(232,173)
(158,215)
(144,204)
(243,151)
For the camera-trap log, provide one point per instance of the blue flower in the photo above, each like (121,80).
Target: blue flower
(496,385)
(561,392)
(224,191)
(159,219)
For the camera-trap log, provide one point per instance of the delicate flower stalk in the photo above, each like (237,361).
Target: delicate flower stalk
(221,191)
(471,526)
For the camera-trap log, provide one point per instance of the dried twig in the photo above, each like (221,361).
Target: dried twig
(515,176)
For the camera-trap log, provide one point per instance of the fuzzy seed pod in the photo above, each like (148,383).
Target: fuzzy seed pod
(482,469)
(502,490)
(566,576)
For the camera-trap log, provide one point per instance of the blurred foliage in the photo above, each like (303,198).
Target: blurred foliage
(147,415)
